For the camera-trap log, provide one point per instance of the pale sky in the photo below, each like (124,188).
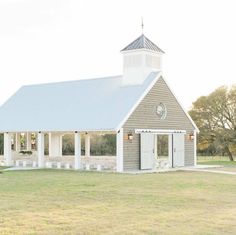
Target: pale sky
(59,40)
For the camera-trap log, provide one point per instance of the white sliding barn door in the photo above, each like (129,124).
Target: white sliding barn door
(178,150)
(147,151)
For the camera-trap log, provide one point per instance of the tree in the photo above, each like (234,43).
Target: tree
(215,116)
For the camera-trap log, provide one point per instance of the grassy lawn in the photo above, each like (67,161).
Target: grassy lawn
(2,168)
(69,202)
(216,160)
(227,168)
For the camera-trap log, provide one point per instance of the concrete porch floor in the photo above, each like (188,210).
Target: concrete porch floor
(199,168)
(105,163)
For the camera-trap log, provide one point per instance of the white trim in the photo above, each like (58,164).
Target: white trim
(139,101)
(195,147)
(61,131)
(186,113)
(41,158)
(77,150)
(7,149)
(159,131)
(119,151)
(142,50)
(170,150)
(87,145)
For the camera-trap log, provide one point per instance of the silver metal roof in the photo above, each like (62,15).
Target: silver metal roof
(83,105)
(142,42)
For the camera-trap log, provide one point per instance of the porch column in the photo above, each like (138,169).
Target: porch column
(77,150)
(28,141)
(41,150)
(18,143)
(55,145)
(7,149)
(155,145)
(87,145)
(170,149)
(195,147)
(119,151)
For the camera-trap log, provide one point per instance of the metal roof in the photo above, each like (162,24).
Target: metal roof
(142,42)
(83,105)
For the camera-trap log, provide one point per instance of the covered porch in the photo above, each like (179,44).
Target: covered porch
(45,150)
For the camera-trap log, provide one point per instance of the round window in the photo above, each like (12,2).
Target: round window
(161,111)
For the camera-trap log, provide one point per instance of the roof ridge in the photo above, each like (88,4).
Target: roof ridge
(71,81)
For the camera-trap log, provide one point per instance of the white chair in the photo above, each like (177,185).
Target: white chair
(87,167)
(58,165)
(49,164)
(67,166)
(24,163)
(99,167)
(17,163)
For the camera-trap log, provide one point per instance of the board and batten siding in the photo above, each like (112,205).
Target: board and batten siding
(145,117)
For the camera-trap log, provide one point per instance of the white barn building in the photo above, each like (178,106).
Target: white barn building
(138,107)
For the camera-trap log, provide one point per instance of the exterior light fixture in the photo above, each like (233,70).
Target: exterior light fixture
(130,136)
(191,136)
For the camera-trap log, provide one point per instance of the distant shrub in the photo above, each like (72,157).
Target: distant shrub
(26,152)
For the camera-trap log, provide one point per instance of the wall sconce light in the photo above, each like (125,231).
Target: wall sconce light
(130,136)
(191,136)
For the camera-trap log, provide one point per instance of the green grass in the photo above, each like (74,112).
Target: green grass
(3,167)
(215,160)
(69,202)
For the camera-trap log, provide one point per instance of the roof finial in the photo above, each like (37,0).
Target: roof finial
(142,25)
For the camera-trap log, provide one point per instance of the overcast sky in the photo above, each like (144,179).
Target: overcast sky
(56,40)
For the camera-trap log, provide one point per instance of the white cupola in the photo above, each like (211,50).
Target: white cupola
(140,58)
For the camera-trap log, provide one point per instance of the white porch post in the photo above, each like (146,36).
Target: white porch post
(28,139)
(155,146)
(195,147)
(60,153)
(87,145)
(55,145)
(119,151)
(41,150)
(7,149)
(170,149)
(50,144)
(77,150)
(17,141)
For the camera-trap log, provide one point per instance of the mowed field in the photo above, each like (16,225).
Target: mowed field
(70,202)
(216,160)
